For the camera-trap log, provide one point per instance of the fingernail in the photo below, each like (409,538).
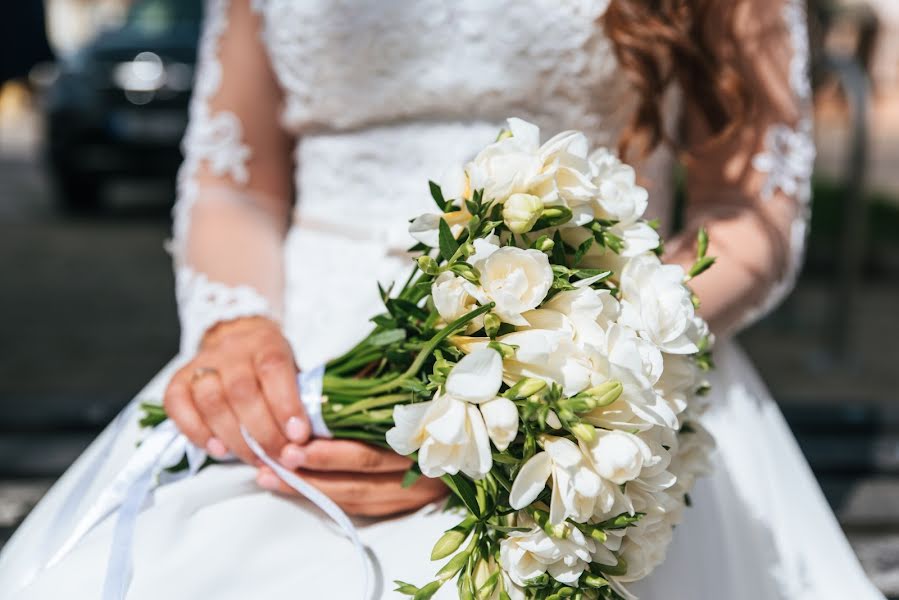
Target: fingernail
(268,481)
(293,456)
(216,448)
(295,429)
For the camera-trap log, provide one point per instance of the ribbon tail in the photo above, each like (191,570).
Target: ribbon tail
(146,456)
(328,506)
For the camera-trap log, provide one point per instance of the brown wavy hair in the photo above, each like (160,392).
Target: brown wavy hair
(660,42)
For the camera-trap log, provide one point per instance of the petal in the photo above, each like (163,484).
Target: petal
(404,437)
(425,229)
(449,425)
(564,573)
(526,133)
(479,459)
(531,480)
(501,418)
(453,182)
(477,377)
(564,452)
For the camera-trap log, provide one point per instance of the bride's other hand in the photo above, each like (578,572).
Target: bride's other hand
(244,374)
(363,480)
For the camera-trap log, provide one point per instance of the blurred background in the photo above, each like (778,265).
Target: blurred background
(93,103)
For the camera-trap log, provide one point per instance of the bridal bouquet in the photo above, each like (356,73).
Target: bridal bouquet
(546,365)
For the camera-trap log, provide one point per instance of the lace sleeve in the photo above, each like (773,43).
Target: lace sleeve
(752,189)
(234,187)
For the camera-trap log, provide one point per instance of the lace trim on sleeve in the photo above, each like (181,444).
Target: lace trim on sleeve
(203,303)
(789,156)
(215,137)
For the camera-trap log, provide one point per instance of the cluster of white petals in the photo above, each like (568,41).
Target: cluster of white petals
(635,456)
(452,432)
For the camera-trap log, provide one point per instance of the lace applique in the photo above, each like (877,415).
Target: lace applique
(214,137)
(788,159)
(203,303)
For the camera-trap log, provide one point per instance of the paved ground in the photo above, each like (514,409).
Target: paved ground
(88,317)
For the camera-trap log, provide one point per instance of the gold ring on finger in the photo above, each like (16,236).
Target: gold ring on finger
(201,372)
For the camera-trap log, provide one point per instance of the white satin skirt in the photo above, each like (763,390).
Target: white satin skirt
(759,528)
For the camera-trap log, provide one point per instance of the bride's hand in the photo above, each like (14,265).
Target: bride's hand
(363,480)
(244,374)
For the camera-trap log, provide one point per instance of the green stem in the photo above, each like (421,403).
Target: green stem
(368,403)
(430,347)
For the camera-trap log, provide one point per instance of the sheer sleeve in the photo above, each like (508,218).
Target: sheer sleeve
(752,190)
(234,187)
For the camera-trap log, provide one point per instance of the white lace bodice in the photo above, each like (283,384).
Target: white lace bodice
(377,98)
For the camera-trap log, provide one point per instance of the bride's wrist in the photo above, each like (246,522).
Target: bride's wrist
(224,329)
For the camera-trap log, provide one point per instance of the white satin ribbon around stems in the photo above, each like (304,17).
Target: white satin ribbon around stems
(162,449)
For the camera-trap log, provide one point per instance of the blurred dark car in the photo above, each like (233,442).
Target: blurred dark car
(118,108)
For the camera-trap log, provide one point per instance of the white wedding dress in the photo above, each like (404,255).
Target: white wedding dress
(377,97)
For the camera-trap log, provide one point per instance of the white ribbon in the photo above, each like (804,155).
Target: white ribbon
(163,448)
(311,383)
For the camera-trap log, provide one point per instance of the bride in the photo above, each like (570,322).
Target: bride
(314,128)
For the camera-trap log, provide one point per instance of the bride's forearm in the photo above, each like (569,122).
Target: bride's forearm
(751,256)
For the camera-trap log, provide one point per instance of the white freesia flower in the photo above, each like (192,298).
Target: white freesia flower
(656,303)
(526,555)
(618,456)
(521,211)
(637,364)
(679,380)
(516,280)
(558,172)
(510,165)
(452,299)
(589,311)
(578,492)
(550,355)
(452,433)
(621,199)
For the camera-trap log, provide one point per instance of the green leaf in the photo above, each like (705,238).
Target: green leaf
(412,475)
(448,243)
(450,541)
(428,591)
(385,338)
(701,265)
(558,253)
(702,243)
(437,195)
(405,588)
(455,564)
(582,250)
(465,490)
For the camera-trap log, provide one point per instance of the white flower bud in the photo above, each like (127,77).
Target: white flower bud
(521,211)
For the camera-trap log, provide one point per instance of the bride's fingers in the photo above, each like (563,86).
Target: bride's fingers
(179,406)
(278,378)
(342,455)
(243,394)
(209,399)
(382,490)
